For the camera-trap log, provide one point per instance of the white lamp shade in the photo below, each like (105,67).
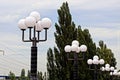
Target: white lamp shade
(102,68)
(115,70)
(30,21)
(74,48)
(115,73)
(107,65)
(21,24)
(101,61)
(78,50)
(89,61)
(75,42)
(36,15)
(46,23)
(83,48)
(107,68)
(111,73)
(95,57)
(67,48)
(39,26)
(95,61)
(112,68)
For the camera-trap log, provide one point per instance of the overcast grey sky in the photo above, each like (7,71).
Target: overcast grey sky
(101,17)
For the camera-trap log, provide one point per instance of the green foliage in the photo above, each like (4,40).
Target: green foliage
(23,77)
(57,66)
(28,75)
(106,54)
(65,32)
(42,76)
(12,76)
(50,65)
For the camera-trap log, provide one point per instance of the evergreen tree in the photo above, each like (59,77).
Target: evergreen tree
(107,55)
(45,76)
(57,66)
(65,32)
(28,75)
(12,76)
(40,76)
(22,77)
(51,65)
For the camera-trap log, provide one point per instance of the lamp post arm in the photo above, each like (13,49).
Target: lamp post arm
(30,37)
(38,34)
(23,37)
(34,33)
(43,39)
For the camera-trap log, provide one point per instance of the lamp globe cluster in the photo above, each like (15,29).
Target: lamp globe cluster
(75,47)
(33,21)
(107,68)
(115,73)
(95,61)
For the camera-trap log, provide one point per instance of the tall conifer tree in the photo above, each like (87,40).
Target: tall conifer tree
(66,31)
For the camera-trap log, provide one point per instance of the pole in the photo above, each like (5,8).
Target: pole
(34,37)
(75,71)
(34,58)
(95,73)
(34,63)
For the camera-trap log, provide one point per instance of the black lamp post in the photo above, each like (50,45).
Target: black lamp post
(35,26)
(95,62)
(75,49)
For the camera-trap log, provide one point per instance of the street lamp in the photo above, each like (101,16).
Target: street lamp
(75,48)
(95,62)
(115,73)
(35,26)
(108,68)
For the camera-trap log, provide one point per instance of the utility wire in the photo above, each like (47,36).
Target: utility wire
(16,54)
(6,67)
(12,62)
(14,59)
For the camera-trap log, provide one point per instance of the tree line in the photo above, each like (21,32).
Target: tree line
(40,76)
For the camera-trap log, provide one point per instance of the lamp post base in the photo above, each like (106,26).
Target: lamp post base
(34,63)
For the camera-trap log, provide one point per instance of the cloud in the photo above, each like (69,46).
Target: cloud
(103,32)
(77,4)
(94,5)
(15,9)
(21,7)
(8,18)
